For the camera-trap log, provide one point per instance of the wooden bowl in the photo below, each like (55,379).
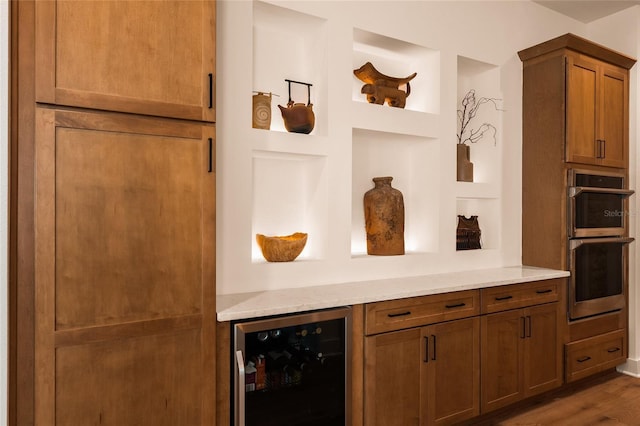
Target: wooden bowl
(282,248)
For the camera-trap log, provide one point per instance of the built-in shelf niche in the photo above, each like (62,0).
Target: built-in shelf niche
(484,78)
(397,58)
(290,194)
(290,45)
(413,162)
(489,219)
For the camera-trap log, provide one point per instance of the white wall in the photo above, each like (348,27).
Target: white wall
(489,32)
(4,161)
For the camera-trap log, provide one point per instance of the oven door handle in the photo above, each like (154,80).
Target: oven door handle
(576,190)
(574,244)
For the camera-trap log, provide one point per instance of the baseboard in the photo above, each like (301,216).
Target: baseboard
(631,367)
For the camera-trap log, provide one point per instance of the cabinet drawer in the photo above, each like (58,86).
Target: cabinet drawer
(589,356)
(416,311)
(496,299)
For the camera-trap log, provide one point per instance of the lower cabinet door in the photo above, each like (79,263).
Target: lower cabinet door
(423,376)
(521,355)
(452,379)
(392,378)
(543,350)
(502,343)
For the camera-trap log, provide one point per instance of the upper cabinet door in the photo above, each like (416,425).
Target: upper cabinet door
(146,57)
(597,113)
(582,94)
(614,117)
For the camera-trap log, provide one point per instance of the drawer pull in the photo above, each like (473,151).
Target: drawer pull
(544,291)
(401,314)
(583,359)
(457,305)
(504,297)
(612,350)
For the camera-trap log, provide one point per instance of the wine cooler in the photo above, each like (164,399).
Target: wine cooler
(292,370)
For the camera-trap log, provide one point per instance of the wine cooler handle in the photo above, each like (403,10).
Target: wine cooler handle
(240,389)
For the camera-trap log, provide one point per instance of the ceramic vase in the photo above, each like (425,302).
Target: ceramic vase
(464,165)
(384,218)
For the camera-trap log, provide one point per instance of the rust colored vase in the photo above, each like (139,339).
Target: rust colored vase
(384,218)
(464,166)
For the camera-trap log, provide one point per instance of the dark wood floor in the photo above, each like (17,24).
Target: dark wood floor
(610,399)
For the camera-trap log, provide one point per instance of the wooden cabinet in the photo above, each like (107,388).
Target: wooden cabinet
(521,348)
(145,57)
(423,375)
(415,311)
(451,371)
(392,376)
(114,320)
(591,355)
(125,281)
(575,117)
(575,114)
(597,112)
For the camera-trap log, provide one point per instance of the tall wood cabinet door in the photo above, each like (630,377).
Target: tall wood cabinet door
(502,345)
(581,99)
(392,378)
(614,125)
(543,349)
(147,57)
(125,270)
(453,372)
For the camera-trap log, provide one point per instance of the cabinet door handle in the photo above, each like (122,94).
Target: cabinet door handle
(210,155)
(528,322)
(601,148)
(456,305)
(583,359)
(612,350)
(210,90)
(504,297)
(544,291)
(426,349)
(433,358)
(401,314)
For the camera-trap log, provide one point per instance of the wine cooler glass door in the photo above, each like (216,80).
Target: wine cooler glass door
(292,370)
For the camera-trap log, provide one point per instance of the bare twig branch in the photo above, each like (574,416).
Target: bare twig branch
(470,106)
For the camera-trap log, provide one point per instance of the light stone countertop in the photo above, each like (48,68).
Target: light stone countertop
(286,301)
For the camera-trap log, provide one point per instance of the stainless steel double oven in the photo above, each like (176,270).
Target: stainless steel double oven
(598,217)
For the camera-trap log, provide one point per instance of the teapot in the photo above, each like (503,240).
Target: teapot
(298,117)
